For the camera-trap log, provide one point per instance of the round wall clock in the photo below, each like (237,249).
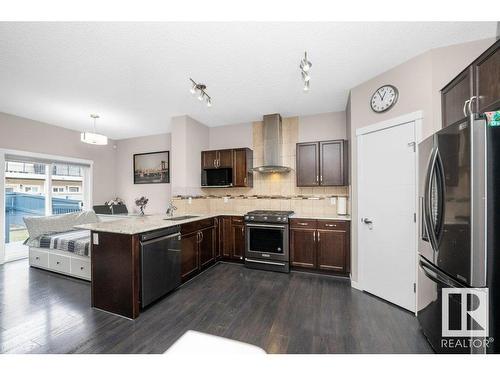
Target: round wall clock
(384,98)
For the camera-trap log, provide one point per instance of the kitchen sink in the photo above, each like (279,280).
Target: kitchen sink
(178,218)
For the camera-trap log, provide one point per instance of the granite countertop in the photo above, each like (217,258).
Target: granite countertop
(320,216)
(140,224)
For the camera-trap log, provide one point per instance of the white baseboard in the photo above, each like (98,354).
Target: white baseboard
(356,285)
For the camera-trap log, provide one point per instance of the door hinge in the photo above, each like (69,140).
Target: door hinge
(413,144)
(414,217)
(414,288)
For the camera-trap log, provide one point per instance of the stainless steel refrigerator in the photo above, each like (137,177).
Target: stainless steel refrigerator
(459,226)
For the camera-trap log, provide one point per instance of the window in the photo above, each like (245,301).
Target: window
(74,189)
(31,189)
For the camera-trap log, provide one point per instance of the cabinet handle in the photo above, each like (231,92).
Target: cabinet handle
(314,236)
(303,224)
(201,233)
(317,178)
(465,107)
(81,268)
(330,225)
(215,164)
(471,100)
(318,236)
(243,230)
(245,181)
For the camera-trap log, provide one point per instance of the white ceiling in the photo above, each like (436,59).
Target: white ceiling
(135,75)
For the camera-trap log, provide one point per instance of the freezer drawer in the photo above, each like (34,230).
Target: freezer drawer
(431,282)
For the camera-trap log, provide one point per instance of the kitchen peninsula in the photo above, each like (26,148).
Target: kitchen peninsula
(122,281)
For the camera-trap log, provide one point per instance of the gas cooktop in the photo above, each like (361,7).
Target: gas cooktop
(268,216)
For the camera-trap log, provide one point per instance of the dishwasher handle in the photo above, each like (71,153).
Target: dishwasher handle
(157,239)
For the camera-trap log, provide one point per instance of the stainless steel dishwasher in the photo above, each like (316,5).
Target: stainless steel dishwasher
(160,263)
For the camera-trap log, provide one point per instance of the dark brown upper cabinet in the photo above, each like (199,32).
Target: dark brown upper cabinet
(242,167)
(224,158)
(322,163)
(454,97)
(214,159)
(209,159)
(487,80)
(239,160)
(307,161)
(476,89)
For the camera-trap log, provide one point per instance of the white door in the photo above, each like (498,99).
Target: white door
(387,199)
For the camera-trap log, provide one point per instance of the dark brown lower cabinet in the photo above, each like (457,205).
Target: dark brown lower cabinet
(303,248)
(198,251)
(332,248)
(232,238)
(320,245)
(189,255)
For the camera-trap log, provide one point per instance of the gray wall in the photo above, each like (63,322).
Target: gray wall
(23,134)
(158,194)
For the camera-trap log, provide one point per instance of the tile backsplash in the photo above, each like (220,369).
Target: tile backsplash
(273,191)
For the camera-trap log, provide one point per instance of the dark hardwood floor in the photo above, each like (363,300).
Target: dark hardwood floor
(41,312)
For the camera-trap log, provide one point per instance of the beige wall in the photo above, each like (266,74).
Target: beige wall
(22,134)
(159,194)
(231,136)
(189,137)
(419,81)
(322,127)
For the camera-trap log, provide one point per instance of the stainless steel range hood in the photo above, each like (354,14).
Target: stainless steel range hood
(273,146)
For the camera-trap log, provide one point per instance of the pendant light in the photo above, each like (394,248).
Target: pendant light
(94,138)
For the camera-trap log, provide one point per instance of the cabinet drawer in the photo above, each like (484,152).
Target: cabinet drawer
(80,268)
(237,220)
(303,223)
(332,224)
(59,263)
(196,225)
(39,258)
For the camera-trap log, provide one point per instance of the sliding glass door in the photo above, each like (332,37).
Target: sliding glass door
(35,188)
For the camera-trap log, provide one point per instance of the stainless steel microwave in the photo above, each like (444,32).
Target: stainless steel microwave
(220,177)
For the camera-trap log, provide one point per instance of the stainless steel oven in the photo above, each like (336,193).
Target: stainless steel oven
(267,244)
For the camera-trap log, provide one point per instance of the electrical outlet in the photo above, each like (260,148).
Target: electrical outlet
(190,200)
(226,199)
(333,200)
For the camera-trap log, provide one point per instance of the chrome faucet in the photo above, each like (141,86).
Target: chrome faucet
(170,209)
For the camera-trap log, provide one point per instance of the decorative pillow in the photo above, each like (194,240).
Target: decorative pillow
(40,225)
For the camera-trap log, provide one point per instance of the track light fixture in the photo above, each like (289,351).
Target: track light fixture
(305,67)
(202,94)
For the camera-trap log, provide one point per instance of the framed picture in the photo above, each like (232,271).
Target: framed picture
(152,168)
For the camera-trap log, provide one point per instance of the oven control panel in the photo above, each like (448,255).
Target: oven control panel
(266,219)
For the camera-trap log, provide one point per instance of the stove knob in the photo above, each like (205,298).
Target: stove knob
(247,217)
(279,218)
(265,218)
(252,217)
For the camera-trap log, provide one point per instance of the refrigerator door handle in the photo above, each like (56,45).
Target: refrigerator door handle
(441,187)
(436,277)
(427,202)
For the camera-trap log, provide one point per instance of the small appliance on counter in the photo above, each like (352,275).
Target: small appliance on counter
(342,206)
(266,244)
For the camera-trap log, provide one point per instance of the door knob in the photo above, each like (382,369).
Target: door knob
(367,222)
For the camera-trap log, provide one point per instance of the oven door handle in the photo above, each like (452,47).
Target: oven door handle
(266,226)
(264,262)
